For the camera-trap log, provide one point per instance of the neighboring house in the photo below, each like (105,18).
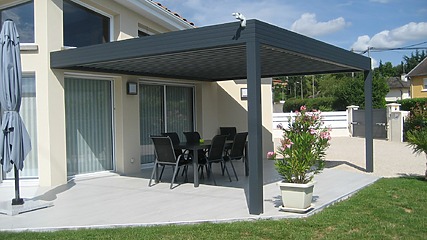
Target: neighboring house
(85,121)
(418,79)
(398,89)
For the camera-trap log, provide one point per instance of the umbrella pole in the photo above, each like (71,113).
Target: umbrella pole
(17,200)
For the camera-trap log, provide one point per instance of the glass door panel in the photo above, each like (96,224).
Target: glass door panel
(151,117)
(88,112)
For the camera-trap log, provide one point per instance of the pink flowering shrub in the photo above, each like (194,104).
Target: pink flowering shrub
(302,149)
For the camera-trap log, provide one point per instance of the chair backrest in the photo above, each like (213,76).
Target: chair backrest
(216,150)
(163,149)
(192,137)
(173,136)
(230,132)
(238,145)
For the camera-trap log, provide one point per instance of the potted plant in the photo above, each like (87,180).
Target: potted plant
(299,157)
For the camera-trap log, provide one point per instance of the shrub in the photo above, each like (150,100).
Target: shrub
(322,103)
(302,149)
(408,104)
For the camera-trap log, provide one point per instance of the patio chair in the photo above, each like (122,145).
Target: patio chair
(216,155)
(194,137)
(175,141)
(230,132)
(165,156)
(236,151)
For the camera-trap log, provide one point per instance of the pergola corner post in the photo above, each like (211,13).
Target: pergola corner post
(369,150)
(253,70)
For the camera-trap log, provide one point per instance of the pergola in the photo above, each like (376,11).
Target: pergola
(227,52)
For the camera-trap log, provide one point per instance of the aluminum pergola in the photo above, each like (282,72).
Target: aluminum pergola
(227,52)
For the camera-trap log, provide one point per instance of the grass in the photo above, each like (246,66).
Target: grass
(393,208)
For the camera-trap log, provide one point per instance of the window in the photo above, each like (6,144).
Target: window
(425,84)
(84,27)
(23,16)
(29,115)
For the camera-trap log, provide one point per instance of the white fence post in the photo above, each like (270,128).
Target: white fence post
(350,118)
(394,123)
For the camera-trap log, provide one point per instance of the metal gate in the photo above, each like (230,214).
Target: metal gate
(379,117)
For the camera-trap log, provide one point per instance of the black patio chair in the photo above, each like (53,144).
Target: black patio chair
(175,140)
(237,151)
(165,156)
(230,132)
(216,155)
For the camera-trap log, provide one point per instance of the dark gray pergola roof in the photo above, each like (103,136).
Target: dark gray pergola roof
(227,52)
(213,53)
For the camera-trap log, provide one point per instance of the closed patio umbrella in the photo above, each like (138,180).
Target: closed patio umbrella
(14,139)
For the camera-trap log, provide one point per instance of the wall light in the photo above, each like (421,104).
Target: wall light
(243,94)
(132,88)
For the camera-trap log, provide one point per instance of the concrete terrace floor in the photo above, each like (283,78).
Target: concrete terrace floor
(110,200)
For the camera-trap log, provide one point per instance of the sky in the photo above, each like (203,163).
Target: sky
(349,24)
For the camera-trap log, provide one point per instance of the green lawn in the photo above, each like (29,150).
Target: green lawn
(389,209)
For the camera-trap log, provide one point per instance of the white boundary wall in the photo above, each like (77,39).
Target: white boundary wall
(337,121)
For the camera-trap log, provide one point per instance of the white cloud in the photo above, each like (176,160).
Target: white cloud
(394,38)
(307,24)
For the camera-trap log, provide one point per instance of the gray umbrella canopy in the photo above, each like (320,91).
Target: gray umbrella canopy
(14,139)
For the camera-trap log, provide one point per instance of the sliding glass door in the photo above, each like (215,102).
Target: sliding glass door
(163,108)
(88,112)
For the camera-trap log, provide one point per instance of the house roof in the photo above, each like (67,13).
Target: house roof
(173,13)
(420,69)
(395,82)
(213,53)
(157,11)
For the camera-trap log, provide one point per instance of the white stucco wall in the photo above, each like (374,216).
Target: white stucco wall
(216,104)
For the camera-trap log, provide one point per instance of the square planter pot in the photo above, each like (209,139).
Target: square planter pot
(297,197)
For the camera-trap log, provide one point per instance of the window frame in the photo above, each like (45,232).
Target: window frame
(85,5)
(29,45)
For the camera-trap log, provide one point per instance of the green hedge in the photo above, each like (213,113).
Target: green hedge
(322,104)
(408,104)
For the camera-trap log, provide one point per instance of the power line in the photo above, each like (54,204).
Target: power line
(409,47)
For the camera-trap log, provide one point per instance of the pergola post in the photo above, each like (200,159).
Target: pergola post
(253,70)
(369,122)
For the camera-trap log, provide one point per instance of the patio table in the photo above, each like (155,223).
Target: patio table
(195,147)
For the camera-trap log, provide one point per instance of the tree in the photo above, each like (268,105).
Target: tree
(409,62)
(350,91)
(386,70)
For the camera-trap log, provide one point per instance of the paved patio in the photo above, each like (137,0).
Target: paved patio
(110,200)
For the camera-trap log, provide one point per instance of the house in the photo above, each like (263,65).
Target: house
(84,121)
(105,75)
(398,89)
(418,79)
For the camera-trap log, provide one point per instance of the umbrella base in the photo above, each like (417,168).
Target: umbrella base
(17,201)
(28,206)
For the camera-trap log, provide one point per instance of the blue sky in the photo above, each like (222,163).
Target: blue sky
(349,24)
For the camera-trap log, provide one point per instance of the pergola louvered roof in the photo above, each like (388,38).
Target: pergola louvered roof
(226,52)
(212,53)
